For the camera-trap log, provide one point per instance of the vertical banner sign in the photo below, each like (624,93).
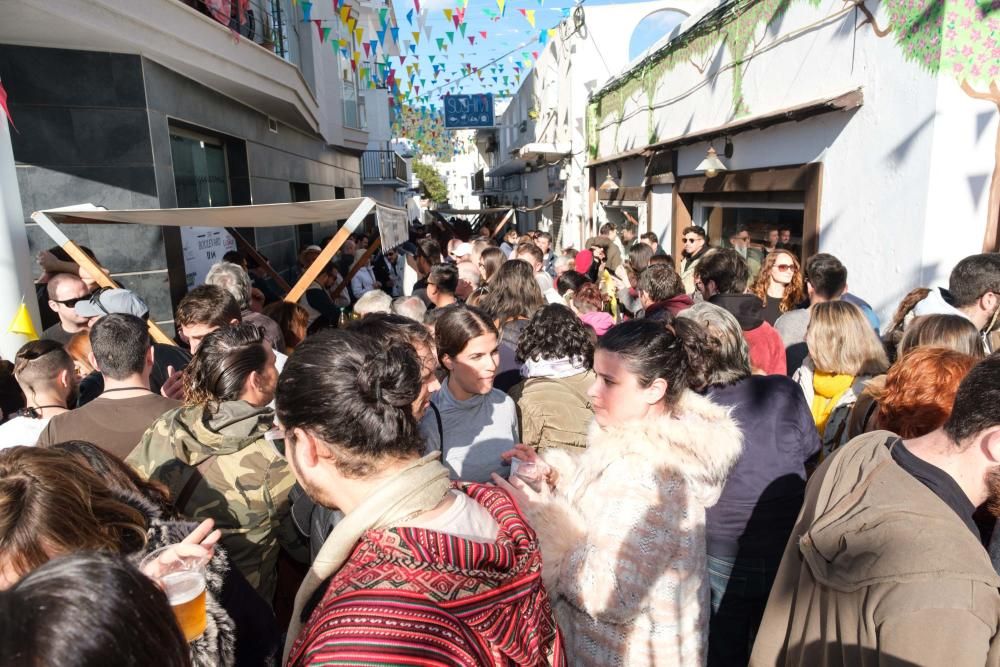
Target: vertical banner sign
(203,247)
(393,226)
(468,111)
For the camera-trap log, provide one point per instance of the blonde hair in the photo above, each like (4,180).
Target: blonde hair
(840,340)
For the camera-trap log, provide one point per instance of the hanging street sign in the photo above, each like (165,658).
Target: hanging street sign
(468,111)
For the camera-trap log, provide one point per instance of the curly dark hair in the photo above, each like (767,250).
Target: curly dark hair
(555,332)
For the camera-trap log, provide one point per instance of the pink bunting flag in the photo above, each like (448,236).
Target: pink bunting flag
(3,105)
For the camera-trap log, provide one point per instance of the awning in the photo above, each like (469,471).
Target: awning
(392,222)
(257,215)
(508,167)
(547,152)
(844,102)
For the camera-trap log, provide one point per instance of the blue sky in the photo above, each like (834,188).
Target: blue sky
(503,34)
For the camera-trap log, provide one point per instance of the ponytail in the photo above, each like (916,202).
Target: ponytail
(675,350)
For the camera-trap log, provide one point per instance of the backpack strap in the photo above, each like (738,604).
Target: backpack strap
(197,475)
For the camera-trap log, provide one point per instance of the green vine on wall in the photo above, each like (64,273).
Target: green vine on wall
(732,26)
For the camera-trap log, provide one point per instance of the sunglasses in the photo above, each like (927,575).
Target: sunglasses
(784,267)
(691,240)
(70,303)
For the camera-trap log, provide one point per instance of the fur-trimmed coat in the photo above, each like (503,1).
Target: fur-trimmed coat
(217,646)
(623,537)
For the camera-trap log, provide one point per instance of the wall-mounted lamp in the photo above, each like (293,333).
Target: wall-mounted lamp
(711,165)
(610,184)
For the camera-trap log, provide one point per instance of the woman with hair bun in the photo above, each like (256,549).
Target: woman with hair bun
(622,525)
(556,351)
(452,569)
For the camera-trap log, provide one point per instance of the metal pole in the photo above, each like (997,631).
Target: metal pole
(15,262)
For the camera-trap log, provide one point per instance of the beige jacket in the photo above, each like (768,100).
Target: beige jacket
(555,412)
(623,539)
(879,571)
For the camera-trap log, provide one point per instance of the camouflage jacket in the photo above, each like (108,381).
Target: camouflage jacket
(225,470)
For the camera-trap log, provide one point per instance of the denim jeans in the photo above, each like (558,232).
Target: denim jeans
(739,587)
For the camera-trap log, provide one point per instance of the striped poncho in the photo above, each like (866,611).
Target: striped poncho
(411,596)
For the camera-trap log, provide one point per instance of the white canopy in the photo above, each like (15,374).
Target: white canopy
(256,215)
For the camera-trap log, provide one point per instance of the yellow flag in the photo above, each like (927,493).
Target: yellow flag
(530,15)
(22,323)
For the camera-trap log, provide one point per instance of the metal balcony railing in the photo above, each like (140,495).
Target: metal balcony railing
(485,184)
(264,22)
(383,167)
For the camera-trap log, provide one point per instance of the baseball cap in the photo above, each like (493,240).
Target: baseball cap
(461,250)
(106,301)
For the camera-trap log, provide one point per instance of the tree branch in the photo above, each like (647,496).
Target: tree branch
(992,96)
(870,18)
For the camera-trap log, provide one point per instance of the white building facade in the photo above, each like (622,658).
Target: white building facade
(866,129)
(538,153)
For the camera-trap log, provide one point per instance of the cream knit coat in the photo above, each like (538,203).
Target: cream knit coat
(623,537)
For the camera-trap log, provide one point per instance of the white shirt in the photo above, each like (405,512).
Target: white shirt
(362,282)
(21,431)
(465,518)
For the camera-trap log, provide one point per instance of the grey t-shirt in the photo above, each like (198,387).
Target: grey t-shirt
(475,433)
(792,327)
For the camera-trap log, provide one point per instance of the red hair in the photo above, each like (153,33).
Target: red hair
(920,389)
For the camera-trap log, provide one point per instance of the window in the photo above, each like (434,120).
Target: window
(201,179)
(652,29)
(200,174)
(722,219)
(353,98)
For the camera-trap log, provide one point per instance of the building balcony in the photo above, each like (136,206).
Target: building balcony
(383,168)
(249,63)
(483,185)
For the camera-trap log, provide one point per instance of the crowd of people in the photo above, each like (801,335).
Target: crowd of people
(465,452)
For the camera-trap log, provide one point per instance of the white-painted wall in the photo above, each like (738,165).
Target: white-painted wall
(568,69)
(897,202)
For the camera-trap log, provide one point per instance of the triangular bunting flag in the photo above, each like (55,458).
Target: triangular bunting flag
(447,14)
(22,323)
(462,28)
(472,40)
(368,49)
(395,34)
(409,17)
(482,33)
(307,8)
(416,3)
(345,13)
(382,14)
(416,37)
(451,37)
(440,43)
(325,34)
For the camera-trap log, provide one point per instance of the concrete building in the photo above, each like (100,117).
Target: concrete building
(868,130)
(538,151)
(161,103)
(385,164)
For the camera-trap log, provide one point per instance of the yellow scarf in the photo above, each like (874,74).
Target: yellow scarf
(827,390)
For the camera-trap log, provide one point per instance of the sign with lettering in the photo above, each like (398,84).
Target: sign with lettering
(468,111)
(203,247)
(393,226)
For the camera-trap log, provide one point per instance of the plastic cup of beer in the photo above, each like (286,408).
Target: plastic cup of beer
(182,578)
